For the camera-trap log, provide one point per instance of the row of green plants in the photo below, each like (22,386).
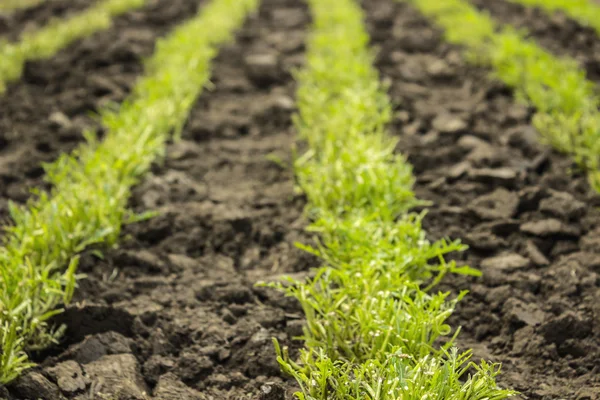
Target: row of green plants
(585,11)
(374,320)
(87,205)
(48,40)
(566,103)
(10,5)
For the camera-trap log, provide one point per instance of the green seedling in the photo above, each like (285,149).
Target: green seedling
(87,205)
(10,5)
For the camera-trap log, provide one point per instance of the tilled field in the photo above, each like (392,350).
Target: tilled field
(530,223)
(173,311)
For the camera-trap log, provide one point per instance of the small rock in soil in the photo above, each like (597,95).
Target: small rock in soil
(458,170)
(500,204)
(439,69)
(117,375)
(549,227)
(521,314)
(169,387)
(263,69)
(34,385)
(480,150)
(69,377)
(413,41)
(448,123)
(484,241)
(494,176)
(562,205)
(289,17)
(59,120)
(506,262)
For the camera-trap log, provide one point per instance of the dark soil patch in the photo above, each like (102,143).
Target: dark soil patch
(13,24)
(529,217)
(556,32)
(174,312)
(45,113)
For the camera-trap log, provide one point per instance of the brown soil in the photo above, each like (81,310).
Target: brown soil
(14,23)
(529,217)
(556,32)
(45,113)
(174,312)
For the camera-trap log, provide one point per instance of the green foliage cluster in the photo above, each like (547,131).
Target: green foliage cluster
(585,11)
(88,202)
(10,5)
(373,320)
(58,34)
(566,104)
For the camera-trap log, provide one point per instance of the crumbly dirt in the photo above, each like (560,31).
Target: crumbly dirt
(45,113)
(14,23)
(174,313)
(556,32)
(529,217)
